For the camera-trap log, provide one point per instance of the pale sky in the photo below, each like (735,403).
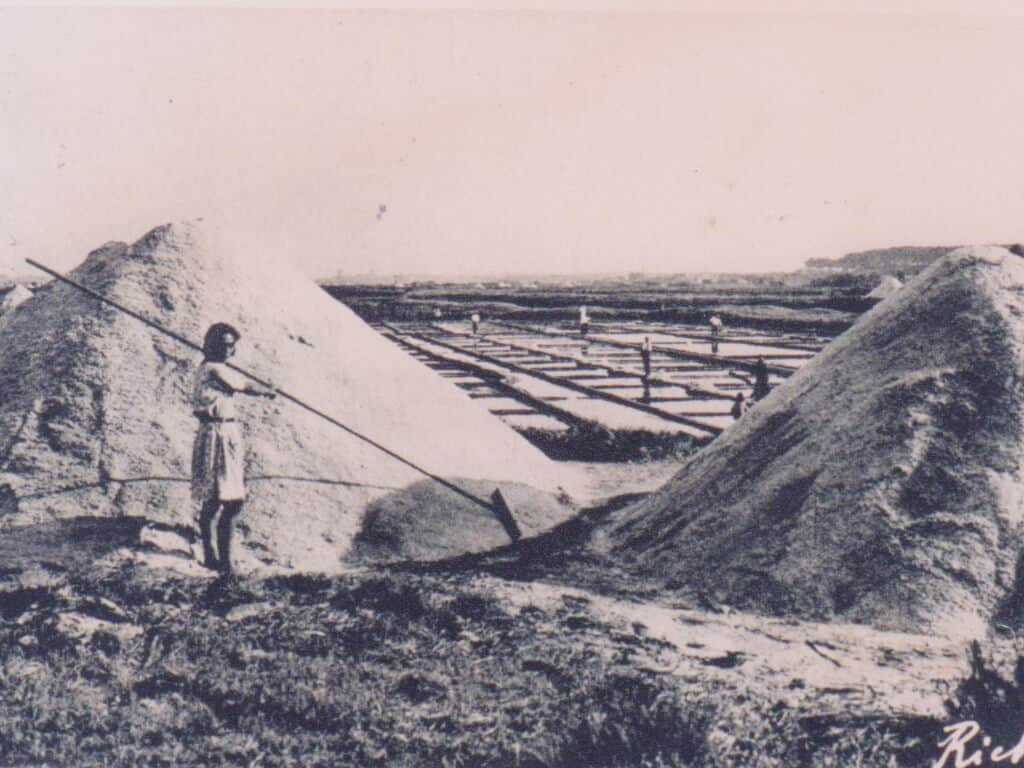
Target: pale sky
(682,137)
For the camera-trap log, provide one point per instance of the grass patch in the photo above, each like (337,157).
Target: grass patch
(394,669)
(590,441)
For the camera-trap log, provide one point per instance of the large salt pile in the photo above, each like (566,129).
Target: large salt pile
(880,484)
(95,417)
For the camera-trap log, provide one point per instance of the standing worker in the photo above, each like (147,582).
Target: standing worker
(475,320)
(584,321)
(645,355)
(716,326)
(761,385)
(218,453)
(739,406)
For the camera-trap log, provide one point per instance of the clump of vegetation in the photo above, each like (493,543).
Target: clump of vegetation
(992,696)
(388,669)
(848,283)
(380,670)
(590,441)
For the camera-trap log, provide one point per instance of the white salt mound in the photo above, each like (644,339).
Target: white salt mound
(14,297)
(880,484)
(886,288)
(95,417)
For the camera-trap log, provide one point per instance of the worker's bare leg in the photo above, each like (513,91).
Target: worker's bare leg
(224,527)
(206,515)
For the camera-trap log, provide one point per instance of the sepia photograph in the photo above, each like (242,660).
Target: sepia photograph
(552,384)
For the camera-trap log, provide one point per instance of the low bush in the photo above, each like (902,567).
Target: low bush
(590,441)
(992,697)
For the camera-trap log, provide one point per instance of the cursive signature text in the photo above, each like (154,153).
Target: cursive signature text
(962,751)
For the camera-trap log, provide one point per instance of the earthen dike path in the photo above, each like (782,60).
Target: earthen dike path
(548,376)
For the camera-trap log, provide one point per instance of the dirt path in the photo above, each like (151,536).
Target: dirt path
(819,669)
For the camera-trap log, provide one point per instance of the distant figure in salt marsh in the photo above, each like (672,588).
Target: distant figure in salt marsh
(716,325)
(761,385)
(584,321)
(475,320)
(739,406)
(645,356)
(218,453)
